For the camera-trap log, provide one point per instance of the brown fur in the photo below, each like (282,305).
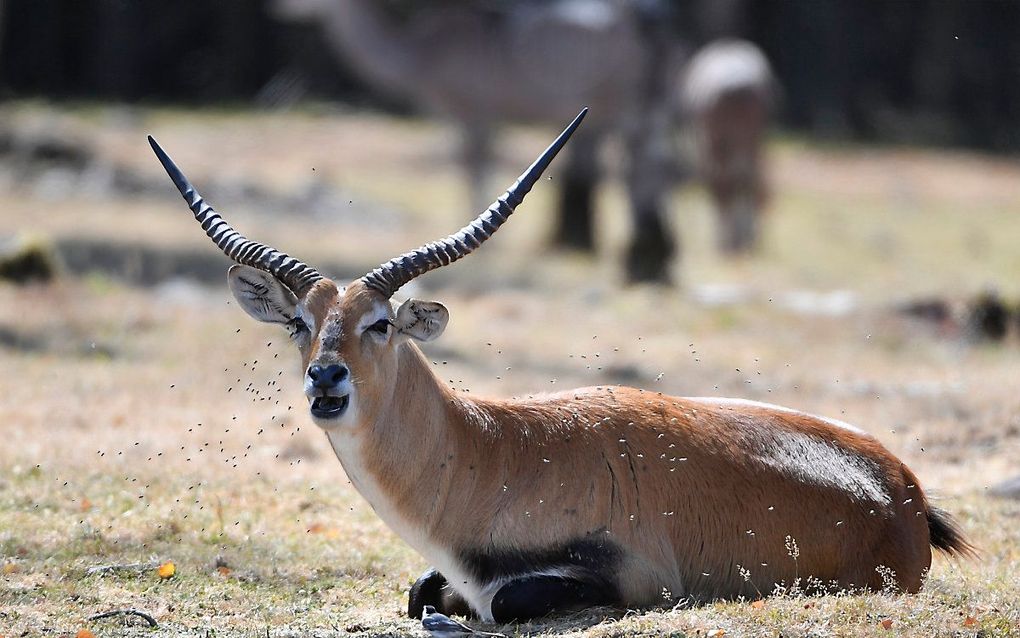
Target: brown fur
(691,490)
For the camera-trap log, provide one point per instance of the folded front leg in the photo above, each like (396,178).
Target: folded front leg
(433,589)
(530,597)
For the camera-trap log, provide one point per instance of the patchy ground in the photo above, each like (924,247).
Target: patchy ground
(156,423)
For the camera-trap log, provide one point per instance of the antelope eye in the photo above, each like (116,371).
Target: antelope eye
(295,327)
(380,327)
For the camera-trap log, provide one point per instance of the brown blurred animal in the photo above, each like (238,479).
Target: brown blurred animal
(595,496)
(727,94)
(486,63)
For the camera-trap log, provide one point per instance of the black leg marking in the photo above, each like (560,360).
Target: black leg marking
(592,554)
(575,226)
(433,589)
(535,596)
(650,251)
(589,562)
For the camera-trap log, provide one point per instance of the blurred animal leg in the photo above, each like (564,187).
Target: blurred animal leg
(736,186)
(738,232)
(649,176)
(535,596)
(575,226)
(734,141)
(433,589)
(476,157)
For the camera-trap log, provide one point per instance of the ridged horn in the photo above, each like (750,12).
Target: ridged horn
(295,274)
(390,276)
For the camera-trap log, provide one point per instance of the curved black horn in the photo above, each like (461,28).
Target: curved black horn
(390,276)
(296,275)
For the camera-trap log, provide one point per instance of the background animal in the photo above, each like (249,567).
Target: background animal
(483,64)
(727,93)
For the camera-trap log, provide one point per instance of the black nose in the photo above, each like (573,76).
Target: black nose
(326,377)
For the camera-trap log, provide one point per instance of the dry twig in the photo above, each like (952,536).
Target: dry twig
(126,612)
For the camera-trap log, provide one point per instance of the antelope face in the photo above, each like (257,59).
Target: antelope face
(348,339)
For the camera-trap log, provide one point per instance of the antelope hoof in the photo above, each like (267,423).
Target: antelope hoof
(650,252)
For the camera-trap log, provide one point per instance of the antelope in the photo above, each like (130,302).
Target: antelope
(604,495)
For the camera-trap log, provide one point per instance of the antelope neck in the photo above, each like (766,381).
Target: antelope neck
(402,455)
(401,459)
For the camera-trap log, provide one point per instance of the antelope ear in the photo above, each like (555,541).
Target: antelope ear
(261,295)
(421,320)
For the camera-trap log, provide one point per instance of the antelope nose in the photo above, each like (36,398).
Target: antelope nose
(327,377)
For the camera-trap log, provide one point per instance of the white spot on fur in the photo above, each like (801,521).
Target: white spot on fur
(778,408)
(812,460)
(818,462)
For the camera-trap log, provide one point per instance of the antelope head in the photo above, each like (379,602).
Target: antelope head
(350,338)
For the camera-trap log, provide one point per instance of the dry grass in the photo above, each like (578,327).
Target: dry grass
(161,424)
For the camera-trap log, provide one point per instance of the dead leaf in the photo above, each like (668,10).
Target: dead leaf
(886,624)
(84,633)
(167,569)
(328,532)
(758,604)
(85,505)
(969,621)
(716,633)
(11,568)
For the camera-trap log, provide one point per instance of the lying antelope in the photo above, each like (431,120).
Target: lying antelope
(597,496)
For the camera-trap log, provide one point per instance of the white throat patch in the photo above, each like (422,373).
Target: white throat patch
(347,446)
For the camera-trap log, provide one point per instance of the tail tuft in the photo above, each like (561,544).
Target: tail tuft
(946,535)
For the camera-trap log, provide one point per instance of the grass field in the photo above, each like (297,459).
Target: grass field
(150,424)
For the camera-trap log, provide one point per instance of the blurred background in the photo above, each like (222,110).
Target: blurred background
(936,72)
(686,93)
(809,202)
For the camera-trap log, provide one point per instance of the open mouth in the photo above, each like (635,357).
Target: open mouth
(329,407)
